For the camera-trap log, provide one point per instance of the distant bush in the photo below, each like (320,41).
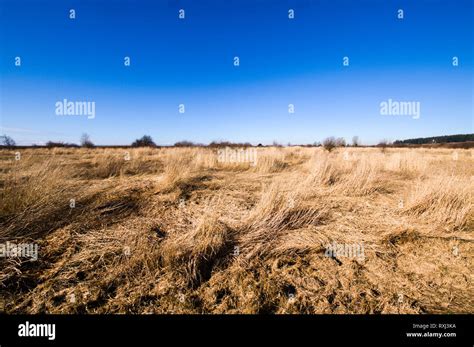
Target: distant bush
(145,141)
(229,144)
(314,144)
(185,143)
(329,143)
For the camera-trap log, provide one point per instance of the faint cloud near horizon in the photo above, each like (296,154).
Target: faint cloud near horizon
(25,135)
(29,131)
(18,130)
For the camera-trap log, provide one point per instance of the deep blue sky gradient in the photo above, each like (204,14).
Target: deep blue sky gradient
(191,62)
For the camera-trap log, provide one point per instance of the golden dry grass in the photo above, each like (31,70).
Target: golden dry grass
(174,230)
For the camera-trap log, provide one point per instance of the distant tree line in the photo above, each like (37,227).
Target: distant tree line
(60,144)
(436,139)
(328,143)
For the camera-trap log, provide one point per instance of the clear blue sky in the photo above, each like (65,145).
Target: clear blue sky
(190,62)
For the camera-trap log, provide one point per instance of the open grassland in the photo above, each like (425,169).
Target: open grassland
(173,230)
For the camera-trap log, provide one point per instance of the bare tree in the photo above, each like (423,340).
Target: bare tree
(355,141)
(7,141)
(340,142)
(86,141)
(383,144)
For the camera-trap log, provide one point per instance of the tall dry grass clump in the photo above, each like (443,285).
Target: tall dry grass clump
(33,196)
(344,174)
(445,202)
(271,161)
(323,171)
(276,212)
(363,178)
(181,164)
(196,252)
(105,164)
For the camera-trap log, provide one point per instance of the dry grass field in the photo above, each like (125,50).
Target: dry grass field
(173,230)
